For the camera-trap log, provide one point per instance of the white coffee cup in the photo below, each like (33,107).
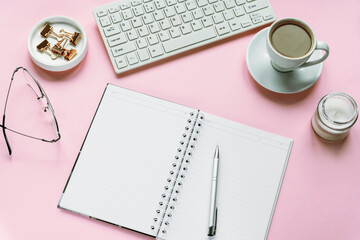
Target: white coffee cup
(284,62)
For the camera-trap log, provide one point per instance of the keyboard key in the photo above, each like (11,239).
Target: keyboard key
(171,2)
(229,3)
(208,10)
(125,26)
(158,15)
(136,22)
(197,13)
(138,11)
(160,4)
(165,24)
(132,58)
(101,13)
(164,36)
(132,34)
(188,40)
(175,20)
(123,49)
(196,25)
(116,17)
(254,6)
(257,20)
(149,7)
(143,31)
(124,5)
(112,30)
(207,22)
(218,18)
(120,62)
(186,17)
(212,1)
(234,24)
(268,17)
(239,11)
(104,21)
(141,43)
(148,19)
(152,39)
(223,28)
(228,15)
(245,21)
(185,28)
(127,14)
(156,51)
(175,32)
(255,15)
(136,2)
(169,12)
(117,39)
(180,8)
(190,5)
(201,3)
(240,2)
(143,54)
(114,9)
(154,27)
(219,6)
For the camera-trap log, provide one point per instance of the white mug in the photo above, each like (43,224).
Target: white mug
(285,63)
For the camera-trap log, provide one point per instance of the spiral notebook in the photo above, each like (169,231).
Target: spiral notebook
(146,163)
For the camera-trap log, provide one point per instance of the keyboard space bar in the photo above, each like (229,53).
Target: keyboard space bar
(190,39)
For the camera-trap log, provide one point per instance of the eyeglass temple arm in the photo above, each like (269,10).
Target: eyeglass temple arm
(5,136)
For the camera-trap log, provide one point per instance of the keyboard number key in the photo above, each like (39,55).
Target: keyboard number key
(116,17)
(120,62)
(105,21)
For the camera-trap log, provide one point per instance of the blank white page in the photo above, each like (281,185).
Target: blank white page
(251,168)
(124,163)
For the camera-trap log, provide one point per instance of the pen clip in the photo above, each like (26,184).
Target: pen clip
(215,221)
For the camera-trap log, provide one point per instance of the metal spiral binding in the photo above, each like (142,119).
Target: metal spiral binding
(177,174)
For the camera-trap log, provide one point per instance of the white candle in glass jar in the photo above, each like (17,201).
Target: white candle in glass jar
(334,116)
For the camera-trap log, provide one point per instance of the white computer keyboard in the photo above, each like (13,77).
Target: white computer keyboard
(139,32)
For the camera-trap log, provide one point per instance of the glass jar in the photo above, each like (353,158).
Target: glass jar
(334,116)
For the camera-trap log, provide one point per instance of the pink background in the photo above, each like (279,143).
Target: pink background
(320,197)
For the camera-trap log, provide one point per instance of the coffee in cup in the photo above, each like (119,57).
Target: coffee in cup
(290,43)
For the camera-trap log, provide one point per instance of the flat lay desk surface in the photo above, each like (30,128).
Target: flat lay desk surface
(320,195)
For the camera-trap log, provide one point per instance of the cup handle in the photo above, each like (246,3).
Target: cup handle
(320,45)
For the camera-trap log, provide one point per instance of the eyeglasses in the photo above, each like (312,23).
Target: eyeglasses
(45,105)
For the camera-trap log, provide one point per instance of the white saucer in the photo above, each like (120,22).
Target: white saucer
(42,59)
(260,68)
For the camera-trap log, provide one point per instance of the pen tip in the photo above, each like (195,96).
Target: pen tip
(217,151)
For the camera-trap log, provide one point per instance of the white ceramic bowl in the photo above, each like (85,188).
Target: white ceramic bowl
(60,64)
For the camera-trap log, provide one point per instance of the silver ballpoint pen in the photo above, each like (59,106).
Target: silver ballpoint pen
(213,206)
